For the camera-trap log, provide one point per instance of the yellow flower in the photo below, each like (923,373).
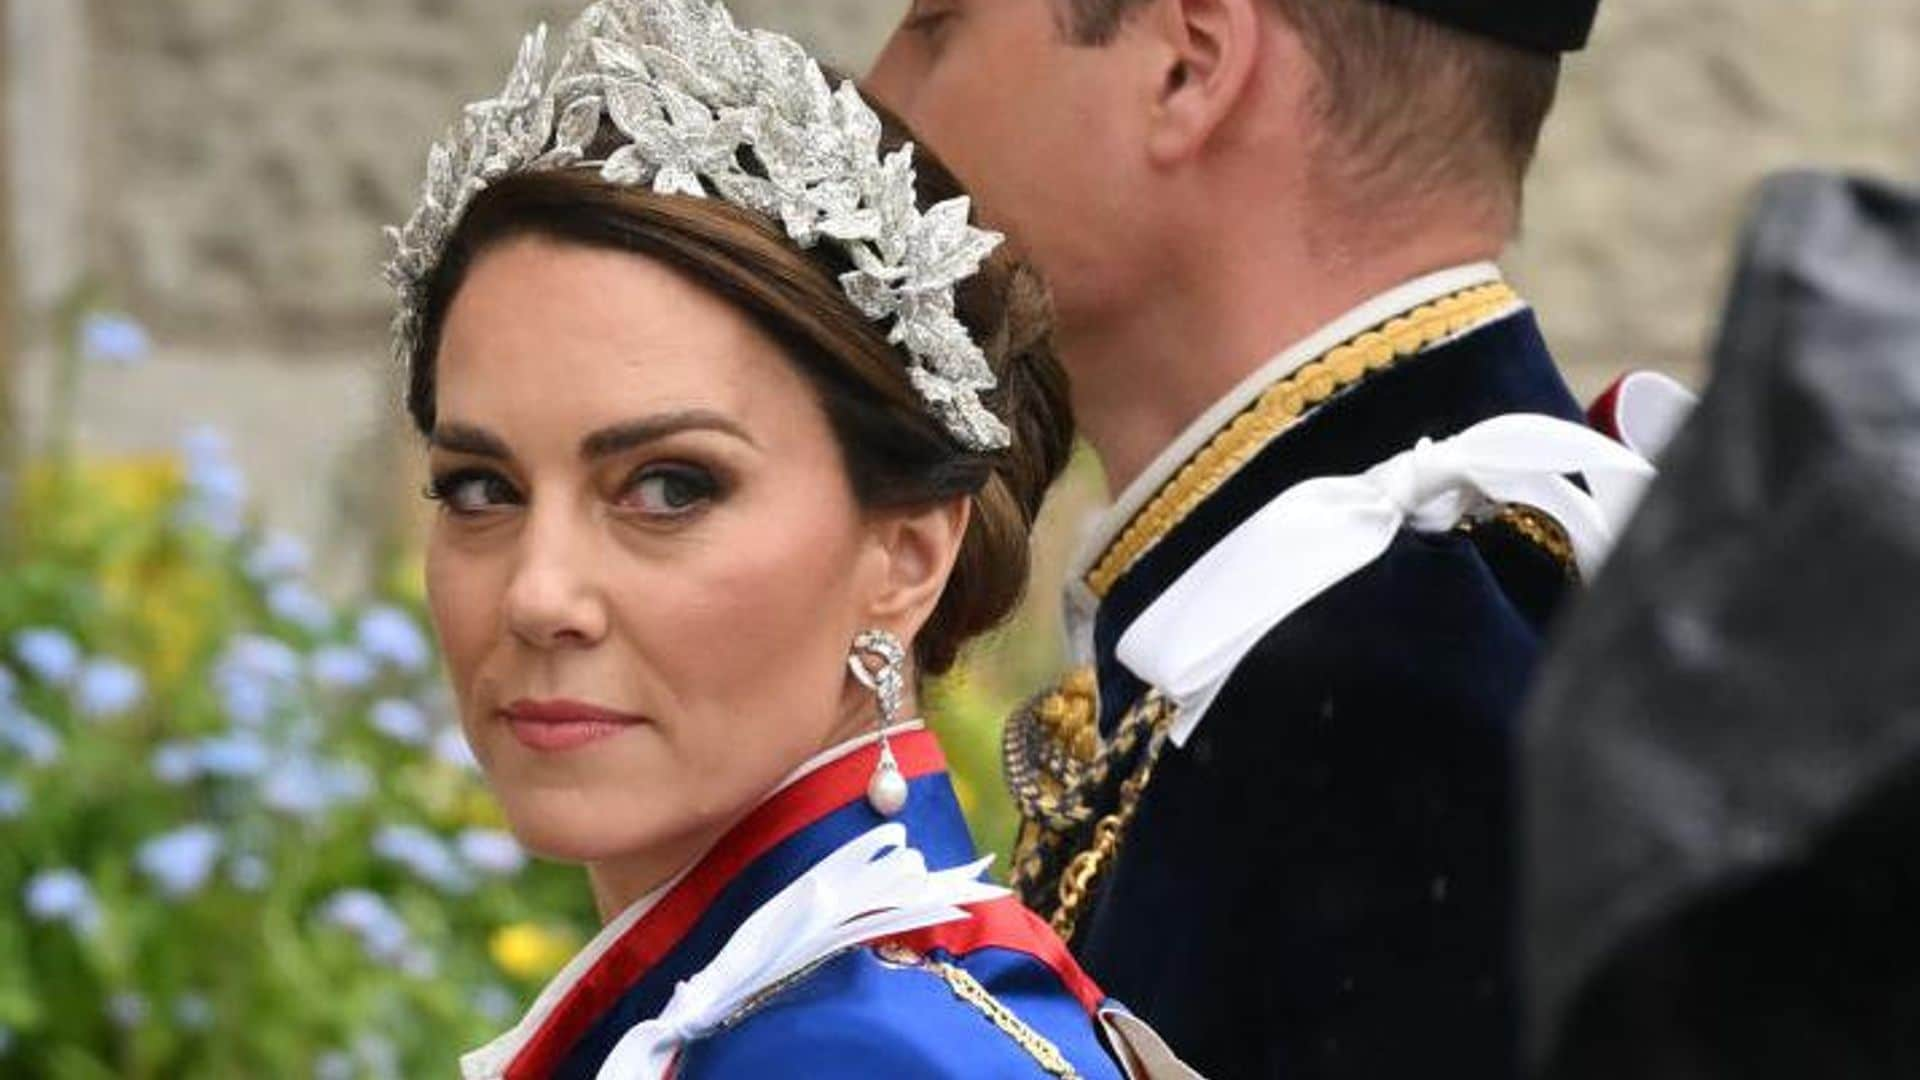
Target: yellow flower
(531,952)
(480,810)
(963,790)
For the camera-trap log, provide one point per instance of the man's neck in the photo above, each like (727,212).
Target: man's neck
(1145,371)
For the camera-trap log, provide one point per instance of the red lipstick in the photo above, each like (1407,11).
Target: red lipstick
(557,725)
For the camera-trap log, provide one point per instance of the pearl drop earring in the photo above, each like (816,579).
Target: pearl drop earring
(887,790)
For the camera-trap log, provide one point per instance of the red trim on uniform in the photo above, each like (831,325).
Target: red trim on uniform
(1604,414)
(1006,923)
(800,805)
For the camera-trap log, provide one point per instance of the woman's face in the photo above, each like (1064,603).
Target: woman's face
(648,562)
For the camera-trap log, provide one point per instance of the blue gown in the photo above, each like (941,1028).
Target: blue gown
(903,1007)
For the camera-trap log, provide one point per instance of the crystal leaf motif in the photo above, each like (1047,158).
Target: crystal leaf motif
(690,92)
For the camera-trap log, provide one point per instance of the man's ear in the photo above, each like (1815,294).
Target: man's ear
(916,549)
(1211,49)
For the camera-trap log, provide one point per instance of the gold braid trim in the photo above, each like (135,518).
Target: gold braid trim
(968,989)
(1539,529)
(1085,869)
(1280,407)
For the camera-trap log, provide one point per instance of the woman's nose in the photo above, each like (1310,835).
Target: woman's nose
(553,599)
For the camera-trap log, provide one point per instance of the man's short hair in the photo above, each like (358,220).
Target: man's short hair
(1415,105)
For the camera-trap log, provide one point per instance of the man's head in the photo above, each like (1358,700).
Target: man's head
(1092,129)
(1404,104)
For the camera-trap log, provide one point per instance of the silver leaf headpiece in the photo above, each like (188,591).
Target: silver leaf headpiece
(689,92)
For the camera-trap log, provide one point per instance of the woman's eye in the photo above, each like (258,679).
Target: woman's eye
(471,491)
(671,490)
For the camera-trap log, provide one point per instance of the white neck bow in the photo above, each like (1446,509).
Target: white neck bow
(872,888)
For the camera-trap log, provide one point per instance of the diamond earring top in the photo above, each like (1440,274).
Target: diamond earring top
(887,790)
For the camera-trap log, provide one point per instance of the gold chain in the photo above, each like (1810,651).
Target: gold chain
(1054,759)
(968,989)
(1080,876)
(1538,528)
(1280,407)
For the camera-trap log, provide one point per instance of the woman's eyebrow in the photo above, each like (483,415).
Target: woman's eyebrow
(469,439)
(624,436)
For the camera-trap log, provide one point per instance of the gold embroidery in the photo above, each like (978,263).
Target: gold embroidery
(1044,1053)
(1280,407)
(968,989)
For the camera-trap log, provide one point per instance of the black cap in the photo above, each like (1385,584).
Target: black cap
(1545,26)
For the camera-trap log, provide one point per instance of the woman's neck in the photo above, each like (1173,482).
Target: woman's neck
(642,878)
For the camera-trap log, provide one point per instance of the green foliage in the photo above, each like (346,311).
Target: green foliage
(241,842)
(243,838)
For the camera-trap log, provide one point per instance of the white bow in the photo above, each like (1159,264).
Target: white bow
(873,887)
(1321,531)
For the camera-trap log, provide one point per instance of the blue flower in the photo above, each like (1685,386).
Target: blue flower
(114,339)
(9,686)
(239,756)
(193,1012)
(338,667)
(335,1065)
(359,910)
(299,605)
(204,443)
(29,736)
(50,654)
(491,851)
(310,787)
(6,1040)
(379,1055)
(419,962)
(249,873)
(450,746)
(390,635)
(13,801)
(108,688)
(424,854)
(127,1010)
(382,933)
(176,763)
(401,721)
(63,895)
(179,862)
(495,1003)
(277,557)
(216,496)
(254,676)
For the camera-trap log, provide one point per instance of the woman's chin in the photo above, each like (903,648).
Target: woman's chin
(576,833)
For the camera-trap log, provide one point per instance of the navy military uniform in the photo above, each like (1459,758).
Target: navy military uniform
(1319,880)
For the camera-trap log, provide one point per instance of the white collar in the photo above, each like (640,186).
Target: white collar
(489,1062)
(1423,290)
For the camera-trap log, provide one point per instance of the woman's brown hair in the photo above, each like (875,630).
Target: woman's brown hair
(896,453)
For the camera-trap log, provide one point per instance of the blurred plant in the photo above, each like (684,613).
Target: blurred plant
(244,838)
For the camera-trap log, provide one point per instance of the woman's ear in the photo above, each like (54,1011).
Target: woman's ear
(1211,50)
(917,548)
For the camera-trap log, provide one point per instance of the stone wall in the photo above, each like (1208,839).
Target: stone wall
(223,166)
(1663,129)
(242,153)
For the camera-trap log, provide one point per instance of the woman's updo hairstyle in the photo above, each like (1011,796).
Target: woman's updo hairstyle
(897,455)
